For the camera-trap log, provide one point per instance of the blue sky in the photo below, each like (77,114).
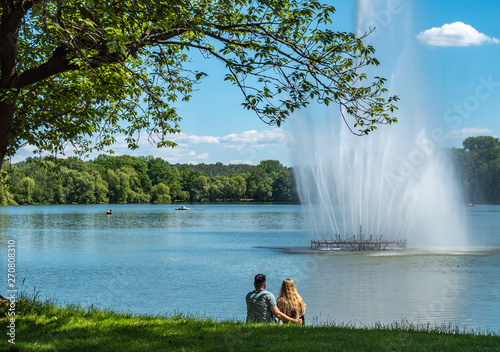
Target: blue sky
(459,45)
(455,44)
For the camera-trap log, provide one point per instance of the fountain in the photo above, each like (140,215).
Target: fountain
(395,184)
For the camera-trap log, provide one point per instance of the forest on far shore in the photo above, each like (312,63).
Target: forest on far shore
(127,179)
(478,167)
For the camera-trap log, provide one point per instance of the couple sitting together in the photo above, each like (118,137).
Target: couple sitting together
(262,306)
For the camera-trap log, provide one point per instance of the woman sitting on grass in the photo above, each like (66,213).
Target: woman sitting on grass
(290,302)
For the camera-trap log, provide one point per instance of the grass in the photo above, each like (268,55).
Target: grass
(46,326)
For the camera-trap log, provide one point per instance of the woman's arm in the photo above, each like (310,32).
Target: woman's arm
(283,317)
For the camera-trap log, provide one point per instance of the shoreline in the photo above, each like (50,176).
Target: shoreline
(47,326)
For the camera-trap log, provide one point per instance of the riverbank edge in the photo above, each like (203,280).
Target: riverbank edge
(47,326)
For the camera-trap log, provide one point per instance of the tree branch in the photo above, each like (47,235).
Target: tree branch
(58,63)
(10,22)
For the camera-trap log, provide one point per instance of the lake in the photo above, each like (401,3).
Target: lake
(151,259)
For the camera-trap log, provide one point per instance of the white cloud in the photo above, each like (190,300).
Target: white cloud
(29,148)
(247,139)
(189,139)
(180,155)
(454,34)
(255,139)
(247,147)
(28,151)
(468,132)
(239,161)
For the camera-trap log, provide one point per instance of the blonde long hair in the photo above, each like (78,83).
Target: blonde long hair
(289,299)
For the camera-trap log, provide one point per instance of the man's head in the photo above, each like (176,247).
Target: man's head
(260,281)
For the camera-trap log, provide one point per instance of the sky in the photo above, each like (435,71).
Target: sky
(455,46)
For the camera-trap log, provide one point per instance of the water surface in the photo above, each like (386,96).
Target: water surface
(151,259)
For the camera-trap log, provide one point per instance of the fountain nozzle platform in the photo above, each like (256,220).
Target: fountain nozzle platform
(358,243)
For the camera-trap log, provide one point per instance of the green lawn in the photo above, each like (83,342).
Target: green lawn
(44,326)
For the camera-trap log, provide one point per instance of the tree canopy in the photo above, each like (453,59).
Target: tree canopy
(479,166)
(128,179)
(80,72)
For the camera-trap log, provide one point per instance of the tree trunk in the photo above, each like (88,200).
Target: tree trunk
(13,13)
(6,118)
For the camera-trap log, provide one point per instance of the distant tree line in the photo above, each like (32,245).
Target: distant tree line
(127,179)
(478,163)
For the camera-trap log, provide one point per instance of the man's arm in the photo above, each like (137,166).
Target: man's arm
(283,317)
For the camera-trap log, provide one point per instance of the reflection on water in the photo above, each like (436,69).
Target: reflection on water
(362,288)
(152,259)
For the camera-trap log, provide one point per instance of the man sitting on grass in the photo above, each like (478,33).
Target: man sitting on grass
(261,304)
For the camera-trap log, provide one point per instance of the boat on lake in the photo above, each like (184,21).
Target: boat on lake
(182,208)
